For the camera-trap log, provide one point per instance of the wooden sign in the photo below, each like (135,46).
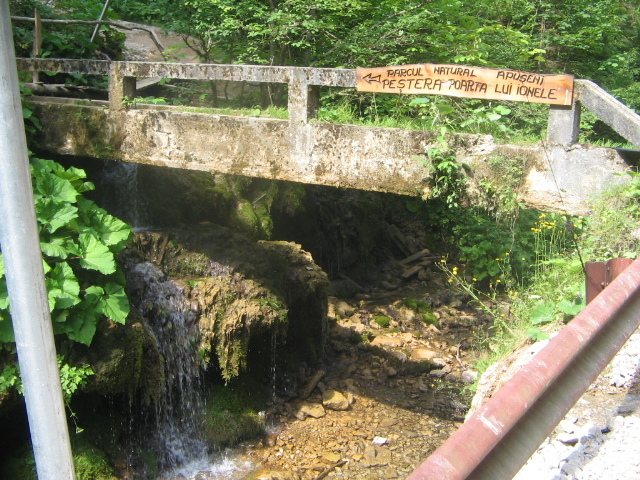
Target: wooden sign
(470,82)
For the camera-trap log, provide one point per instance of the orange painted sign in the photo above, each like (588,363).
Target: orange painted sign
(470,82)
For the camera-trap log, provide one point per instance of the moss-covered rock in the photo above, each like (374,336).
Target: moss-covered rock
(242,294)
(124,359)
(234,412)
(90,463)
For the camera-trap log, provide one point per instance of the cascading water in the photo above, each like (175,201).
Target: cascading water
(179,412)
(177,438)
(120,195)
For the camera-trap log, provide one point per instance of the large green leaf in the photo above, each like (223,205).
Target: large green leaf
(4,295)
(6,329)
(55,248)
(81,327)
(96,255)
(543,313)
(111,230)
(53,215)
(63,287)
(51,186)
(114,303)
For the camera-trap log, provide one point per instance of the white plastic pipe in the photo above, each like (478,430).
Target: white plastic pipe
(25,279)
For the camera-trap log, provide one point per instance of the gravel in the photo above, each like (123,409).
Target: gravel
(600,437)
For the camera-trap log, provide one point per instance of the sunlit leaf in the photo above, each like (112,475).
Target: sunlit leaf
(95,255)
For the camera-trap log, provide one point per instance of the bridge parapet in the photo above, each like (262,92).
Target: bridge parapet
(379,159)
(563,124)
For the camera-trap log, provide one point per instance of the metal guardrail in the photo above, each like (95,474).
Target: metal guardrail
(499,437)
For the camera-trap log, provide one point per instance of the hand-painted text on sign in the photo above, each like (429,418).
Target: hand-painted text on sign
(472,82)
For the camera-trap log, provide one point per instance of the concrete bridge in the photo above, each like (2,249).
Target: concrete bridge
(558,173)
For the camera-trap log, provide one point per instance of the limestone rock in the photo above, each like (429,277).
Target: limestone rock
(420,354)
(376,456)
(268,474)
(309,409)
(386,341)
(334,400)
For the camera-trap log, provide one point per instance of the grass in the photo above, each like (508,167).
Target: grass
(269,112)
(554,291)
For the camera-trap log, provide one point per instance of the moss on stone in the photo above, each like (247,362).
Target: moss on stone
(90,463)
(233,412)
(124,358)
(243,290)
(382,320)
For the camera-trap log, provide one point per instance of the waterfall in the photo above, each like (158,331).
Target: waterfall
(180,411)
(119,192)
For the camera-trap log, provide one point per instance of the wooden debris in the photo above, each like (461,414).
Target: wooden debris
(312,384)
(416,268)
(411,271)
(398,238)
(414,257)
(330,469)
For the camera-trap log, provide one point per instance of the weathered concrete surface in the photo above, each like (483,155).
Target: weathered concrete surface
(377,159)
(610,110)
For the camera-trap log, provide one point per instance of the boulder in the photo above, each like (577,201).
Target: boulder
(334,400)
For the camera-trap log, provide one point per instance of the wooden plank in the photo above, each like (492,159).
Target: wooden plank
(411,271)
(414,257)
(469,82)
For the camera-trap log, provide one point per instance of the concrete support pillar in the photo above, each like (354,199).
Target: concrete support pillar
(564,124)
(120,87)
(303,98)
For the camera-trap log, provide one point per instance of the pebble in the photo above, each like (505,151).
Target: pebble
(596,451)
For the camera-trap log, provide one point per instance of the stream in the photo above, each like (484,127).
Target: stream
(389,386)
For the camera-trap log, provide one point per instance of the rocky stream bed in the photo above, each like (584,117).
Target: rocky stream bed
(394,384)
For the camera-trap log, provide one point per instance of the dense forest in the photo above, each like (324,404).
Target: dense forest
(595,40)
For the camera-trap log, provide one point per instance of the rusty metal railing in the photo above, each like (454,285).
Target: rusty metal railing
(500,437)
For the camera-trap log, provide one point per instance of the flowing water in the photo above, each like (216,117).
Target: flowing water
(120,193)
(177,438)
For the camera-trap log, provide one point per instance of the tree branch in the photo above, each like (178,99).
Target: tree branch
(111,23)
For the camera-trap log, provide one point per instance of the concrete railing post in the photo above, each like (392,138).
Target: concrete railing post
(564,124)
(120,87)
(303,98)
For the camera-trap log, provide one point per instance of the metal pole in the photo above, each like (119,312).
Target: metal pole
(25,279)
(104,10)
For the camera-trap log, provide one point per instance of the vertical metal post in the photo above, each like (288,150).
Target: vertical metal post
(25,279)
(37,40)
(97,27)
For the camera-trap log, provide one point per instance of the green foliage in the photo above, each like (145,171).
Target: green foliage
(233,412)
(449,183)
(382,320)
(612,230)
(594,40)
(79,242)
(67,41)
(9,378)
(90,463)
(71,378)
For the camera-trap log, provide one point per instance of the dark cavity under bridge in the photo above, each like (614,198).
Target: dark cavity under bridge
(560,174)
